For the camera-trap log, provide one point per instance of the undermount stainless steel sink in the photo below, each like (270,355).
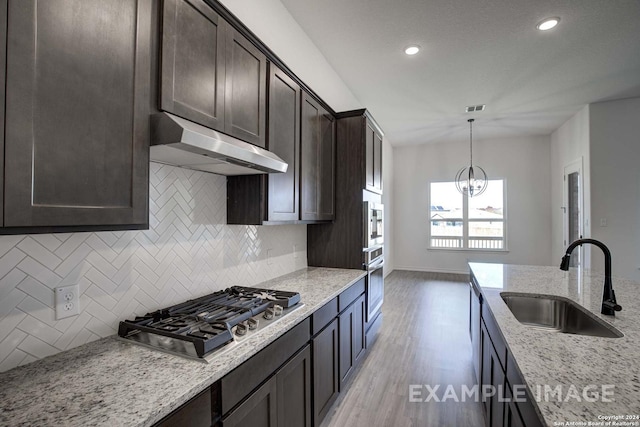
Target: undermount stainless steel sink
(556,314)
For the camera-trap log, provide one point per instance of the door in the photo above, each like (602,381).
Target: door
(77,113)
(245,98)
(325,371)
(294,391)
(259,410)
(193,56)
(373,159)
(317,148)
(284,141)
(492,375)
(572,208)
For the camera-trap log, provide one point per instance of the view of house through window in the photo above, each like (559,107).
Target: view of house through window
(459,222)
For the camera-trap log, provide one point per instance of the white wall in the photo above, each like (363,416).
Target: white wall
(569,143)
(274,25)
(615,183)
(523,162)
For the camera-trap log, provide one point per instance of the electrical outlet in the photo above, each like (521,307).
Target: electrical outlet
(67,301)
(295,251)
(603,222)
(269,256)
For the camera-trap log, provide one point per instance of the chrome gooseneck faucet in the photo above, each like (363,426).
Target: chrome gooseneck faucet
(609,304)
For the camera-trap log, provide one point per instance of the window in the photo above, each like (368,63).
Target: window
(459,222)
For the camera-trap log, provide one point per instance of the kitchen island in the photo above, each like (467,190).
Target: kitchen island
(114,383)
(573,379)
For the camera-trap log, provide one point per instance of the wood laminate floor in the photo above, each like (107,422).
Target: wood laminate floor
(424,339)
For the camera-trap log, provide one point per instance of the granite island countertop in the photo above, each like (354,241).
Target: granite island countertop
(114,383)
(554,359)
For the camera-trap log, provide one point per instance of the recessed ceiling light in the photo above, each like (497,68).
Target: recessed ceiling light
(412,50)
(548,23)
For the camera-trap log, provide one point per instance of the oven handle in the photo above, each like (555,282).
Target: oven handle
(376,265)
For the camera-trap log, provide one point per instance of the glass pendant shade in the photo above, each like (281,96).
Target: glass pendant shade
(471,180)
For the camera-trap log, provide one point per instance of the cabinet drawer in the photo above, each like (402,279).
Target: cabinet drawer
(324,315)
(350,295)
(495,335)
(236,385)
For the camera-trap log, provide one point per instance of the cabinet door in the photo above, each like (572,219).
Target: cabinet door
(373,159)
(77,113)
(3,63)
(368,152)
(359,338)
(259,410)
(325,371)
(493,375)
(284,141)
(346,323)
(294,391)
(512,416)
(474,331)
(245,98)
(194,413)
(317,162)
(351,329)
(377,162)
(193,73)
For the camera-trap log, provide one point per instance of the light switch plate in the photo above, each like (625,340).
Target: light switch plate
(67,301)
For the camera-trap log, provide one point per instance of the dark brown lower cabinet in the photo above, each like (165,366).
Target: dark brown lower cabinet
(351,324)
(325,371)
(492,375)
(512,416)
(194,413)
(497,370)
(259,410)
(283,401)
(293,389)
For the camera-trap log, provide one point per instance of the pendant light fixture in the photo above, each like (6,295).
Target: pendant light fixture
(471,180)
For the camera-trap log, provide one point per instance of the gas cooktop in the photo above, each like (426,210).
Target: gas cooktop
(200,328)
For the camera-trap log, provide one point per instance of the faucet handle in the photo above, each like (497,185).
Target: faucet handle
(611,305)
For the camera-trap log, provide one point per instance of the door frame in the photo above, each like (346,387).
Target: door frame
(573,167)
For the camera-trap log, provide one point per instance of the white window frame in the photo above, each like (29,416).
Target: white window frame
(465,223)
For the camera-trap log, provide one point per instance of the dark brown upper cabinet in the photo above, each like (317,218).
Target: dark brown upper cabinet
(373,156)
(211,74)
(260,199)
(245,90)
(193,59)
(302,133)
(77,114)
(318,148)
(283,190)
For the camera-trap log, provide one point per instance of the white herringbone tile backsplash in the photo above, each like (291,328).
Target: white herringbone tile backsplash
(188,251)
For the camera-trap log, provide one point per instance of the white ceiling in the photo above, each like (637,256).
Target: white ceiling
(476,52)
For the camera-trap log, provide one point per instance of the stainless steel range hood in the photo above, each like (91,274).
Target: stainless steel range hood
(179,142)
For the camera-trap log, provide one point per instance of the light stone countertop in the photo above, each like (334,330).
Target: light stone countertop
(556,359)
(113,383)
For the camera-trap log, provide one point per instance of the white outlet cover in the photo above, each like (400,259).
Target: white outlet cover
(67,301)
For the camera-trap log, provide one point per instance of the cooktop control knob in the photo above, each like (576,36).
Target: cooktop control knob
(253,323)
(277,310)
(241,329)
(268,313)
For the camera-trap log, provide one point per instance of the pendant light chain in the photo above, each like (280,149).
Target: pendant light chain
(471,139)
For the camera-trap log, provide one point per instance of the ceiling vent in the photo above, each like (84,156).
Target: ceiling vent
(474,108)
